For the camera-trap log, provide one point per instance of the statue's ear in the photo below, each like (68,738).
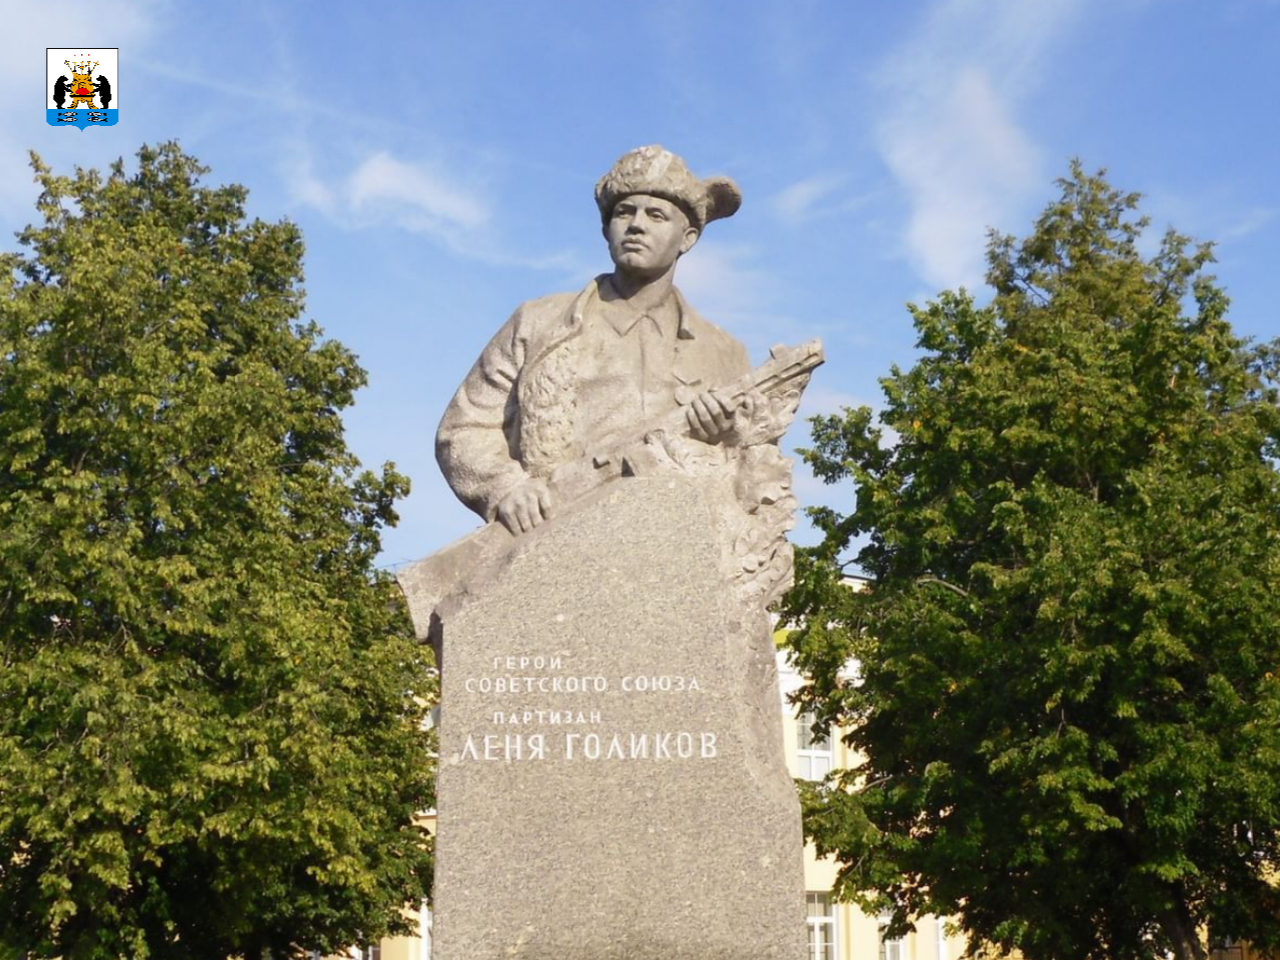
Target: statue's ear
(691,235)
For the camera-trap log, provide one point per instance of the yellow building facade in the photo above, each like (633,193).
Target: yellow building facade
(842,931)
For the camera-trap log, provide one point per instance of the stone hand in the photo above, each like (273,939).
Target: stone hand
(525,506)
(710,417)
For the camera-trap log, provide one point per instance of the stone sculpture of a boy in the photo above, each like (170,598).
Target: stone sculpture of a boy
(569,373)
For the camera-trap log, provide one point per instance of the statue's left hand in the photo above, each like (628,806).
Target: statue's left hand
(755,418)
(710,417)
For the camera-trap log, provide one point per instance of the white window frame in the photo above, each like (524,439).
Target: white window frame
(814,756)
(816,922)
(890,948)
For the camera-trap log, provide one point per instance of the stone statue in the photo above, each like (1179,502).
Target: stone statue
(611,780)
(573,375)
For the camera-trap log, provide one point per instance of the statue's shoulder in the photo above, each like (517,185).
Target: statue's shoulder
(552,305)
(543,316)
(717,338)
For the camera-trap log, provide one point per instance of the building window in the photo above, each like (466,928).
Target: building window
(372,953)
(890,949)
(822,927)
(813,751)
(1226,948)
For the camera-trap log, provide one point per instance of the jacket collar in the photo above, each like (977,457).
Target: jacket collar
(583,302)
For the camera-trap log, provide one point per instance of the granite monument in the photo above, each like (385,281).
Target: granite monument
(612,783)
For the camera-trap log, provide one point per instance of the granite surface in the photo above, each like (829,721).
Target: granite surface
(612,783)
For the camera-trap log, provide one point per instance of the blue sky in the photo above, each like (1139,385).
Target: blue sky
(440,159)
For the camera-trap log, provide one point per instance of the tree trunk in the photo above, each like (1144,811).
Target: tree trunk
(1178,926)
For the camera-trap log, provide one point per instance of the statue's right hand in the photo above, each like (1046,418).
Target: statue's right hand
(525,506)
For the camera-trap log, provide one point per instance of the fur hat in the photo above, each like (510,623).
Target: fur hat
(661,173)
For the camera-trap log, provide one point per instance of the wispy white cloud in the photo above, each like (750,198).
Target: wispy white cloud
(383,191)
(262,94)
(800,200)
(32,25)
(1213,211)
(948,130)
(721,279)
(963,172)
(413,195)
(817,196)
(309,189)
(1247,221)
(265,94)
(1227,223)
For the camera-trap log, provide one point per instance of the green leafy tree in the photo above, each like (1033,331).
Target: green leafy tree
(1068,644)
(211,704)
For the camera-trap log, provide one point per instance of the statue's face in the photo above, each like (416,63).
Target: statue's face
(648,234)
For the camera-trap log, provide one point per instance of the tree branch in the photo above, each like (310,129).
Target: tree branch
(958,591)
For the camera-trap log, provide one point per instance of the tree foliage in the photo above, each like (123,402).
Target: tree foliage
(1068,648)
(211,704)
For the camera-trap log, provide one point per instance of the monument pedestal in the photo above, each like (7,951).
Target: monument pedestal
(612,783)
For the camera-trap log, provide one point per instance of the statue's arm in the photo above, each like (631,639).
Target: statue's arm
(472,442)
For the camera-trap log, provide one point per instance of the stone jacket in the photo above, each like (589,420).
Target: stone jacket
(561,380)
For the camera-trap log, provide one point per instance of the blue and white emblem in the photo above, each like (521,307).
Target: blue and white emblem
(82,87)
